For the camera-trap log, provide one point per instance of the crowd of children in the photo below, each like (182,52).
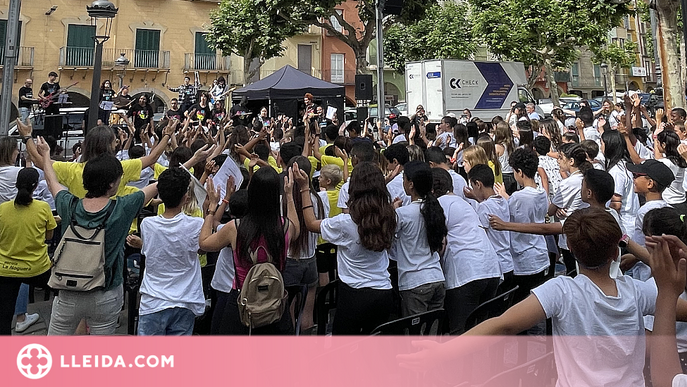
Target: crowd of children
(408,221)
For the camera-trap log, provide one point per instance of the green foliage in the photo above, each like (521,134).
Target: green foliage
(616,56)
(443,33)
(250,28)
(532,31)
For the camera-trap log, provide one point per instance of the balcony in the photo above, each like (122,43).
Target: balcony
(561,76)
(24,57)
(206,62)
(341,77)
(143,59)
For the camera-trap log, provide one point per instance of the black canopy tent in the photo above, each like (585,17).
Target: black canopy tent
(283,91)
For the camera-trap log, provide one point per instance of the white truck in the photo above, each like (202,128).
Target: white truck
(444,86)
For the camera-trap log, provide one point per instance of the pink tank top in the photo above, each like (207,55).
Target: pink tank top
(242,266)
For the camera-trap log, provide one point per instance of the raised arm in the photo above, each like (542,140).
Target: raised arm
(50,177)
(294,228)
(155,154)
(311,222)
(25,131)
(529,228)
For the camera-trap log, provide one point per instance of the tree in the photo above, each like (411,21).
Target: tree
(616,58)
(251,29)
(320,13)
(544,34)
(441,34)
(667,39)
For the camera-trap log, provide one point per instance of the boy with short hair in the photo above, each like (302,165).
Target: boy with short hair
(171,291)
(481,178)
(651,177)
(528,205)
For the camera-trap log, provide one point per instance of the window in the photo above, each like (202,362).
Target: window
(147,53)
(575,74)
(597,75)
(337,68)
(3,37)
(80,45)
(335,22)
(205,57)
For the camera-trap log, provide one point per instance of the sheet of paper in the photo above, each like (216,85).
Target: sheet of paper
(198,190)
(228,168)
(331,112)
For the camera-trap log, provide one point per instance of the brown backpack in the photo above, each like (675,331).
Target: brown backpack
(263,298)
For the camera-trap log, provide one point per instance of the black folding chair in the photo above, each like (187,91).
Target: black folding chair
(325,302)
(432,323)
(297,297)
(492,308)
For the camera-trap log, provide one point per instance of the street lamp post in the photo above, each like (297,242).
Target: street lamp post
(604,69)
(105,11)
(121,62)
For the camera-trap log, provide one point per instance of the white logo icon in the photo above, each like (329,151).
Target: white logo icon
(34,361)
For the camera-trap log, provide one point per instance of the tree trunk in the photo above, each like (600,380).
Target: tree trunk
(361,62)
(532,76)
(667,37)
(611,75)
(551,81)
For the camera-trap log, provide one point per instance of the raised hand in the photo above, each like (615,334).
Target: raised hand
(43,147)
(25,129)
(299,175)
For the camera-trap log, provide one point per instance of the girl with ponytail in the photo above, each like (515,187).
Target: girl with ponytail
(420,233)
(572,160)
(25,225)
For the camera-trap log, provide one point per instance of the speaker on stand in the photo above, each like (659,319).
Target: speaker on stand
(363,87)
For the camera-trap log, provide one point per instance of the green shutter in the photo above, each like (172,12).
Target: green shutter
(80,45)
(147,48)
(205,58)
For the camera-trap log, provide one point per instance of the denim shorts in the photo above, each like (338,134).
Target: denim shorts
(300,272)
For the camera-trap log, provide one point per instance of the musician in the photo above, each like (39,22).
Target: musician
(26,99)
(187,93)
(219,90)
(174,110)
(51,90)
(106,101)
(124,94)
(142,112)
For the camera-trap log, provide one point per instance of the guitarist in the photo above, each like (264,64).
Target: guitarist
(26,99)
(51,89)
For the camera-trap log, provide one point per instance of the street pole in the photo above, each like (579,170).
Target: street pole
(11,51)
(380,62)
(93,106)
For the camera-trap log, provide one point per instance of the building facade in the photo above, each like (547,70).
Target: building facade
(164,40)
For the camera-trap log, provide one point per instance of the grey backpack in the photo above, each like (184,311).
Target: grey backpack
(79,260)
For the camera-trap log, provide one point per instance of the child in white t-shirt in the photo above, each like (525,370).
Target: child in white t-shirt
(597,319)
(528,205)
(172,288)
(548,174)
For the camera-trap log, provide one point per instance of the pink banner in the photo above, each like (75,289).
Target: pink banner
(321,361)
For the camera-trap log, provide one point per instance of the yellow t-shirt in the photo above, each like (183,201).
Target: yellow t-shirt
(159,168)
(326,160)
(70,175)
(23,252)
(497,178)
(270,160)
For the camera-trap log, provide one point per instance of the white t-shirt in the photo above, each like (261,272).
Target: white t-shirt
(500,240)
(8,182)
(325,202)
(309,250)
(609,347)
(358,267)
(680,327)
(534,116)
(643,152)
(568,197)
(680,380)
(553,173)
(503,160)
(417,264)
(172,274)
(674,193)
(396,190)
(469,255)
(590,133)
(638,235)
(530,255)
(343,195)
(458,183)
(624,186)
(223,279)
(146,175)
(441,140)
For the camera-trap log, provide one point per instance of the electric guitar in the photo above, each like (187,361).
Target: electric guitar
(46,101)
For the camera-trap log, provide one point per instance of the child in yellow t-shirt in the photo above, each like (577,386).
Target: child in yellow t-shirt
(331,179)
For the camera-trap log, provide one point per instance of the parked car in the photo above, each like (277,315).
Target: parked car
(402,108)
(390,112)
(574,106)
